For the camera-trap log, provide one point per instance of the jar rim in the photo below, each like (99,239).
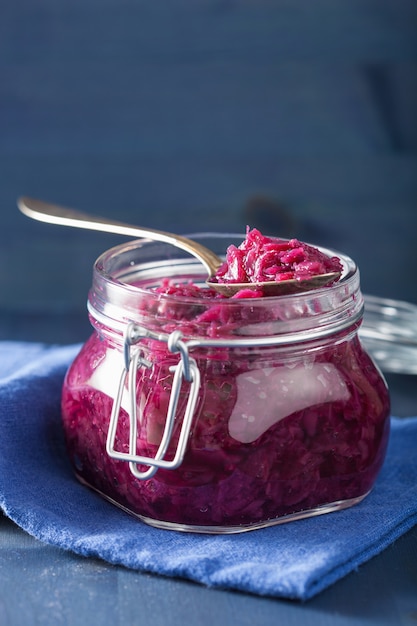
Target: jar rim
(107,257)
(124,275)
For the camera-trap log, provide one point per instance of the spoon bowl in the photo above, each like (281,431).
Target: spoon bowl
(276,288)
(56,214)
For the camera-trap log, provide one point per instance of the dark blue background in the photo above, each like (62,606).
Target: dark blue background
(177,113)
(293,116)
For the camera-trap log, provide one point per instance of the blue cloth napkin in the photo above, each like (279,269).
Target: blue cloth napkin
(297,560)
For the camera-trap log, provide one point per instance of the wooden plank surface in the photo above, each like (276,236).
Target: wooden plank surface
(174,114)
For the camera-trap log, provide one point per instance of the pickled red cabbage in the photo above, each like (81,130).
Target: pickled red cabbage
(326,449)
(259,258)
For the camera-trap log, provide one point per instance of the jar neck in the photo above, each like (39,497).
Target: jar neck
(121,293)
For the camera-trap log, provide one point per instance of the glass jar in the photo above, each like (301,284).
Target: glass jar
(222,415)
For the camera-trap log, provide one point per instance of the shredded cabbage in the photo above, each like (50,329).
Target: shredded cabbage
(321,419)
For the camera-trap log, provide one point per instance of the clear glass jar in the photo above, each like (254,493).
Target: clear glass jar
(224,415)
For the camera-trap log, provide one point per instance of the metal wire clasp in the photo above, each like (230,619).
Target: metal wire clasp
(185,370)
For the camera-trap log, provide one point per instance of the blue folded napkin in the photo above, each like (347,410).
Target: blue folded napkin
(296,560)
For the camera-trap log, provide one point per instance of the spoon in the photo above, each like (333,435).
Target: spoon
(56,214)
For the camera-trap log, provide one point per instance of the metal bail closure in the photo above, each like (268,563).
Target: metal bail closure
(185,370)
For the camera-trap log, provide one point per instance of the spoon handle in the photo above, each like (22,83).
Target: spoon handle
(56,214)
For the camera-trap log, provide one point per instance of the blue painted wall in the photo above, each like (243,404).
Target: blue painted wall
(177,114)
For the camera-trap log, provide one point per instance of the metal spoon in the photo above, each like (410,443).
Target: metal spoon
(56,214)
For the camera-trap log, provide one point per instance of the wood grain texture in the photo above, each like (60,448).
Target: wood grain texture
(174,114)
(63,589)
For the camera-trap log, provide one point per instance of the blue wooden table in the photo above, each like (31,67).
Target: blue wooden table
(295,117)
